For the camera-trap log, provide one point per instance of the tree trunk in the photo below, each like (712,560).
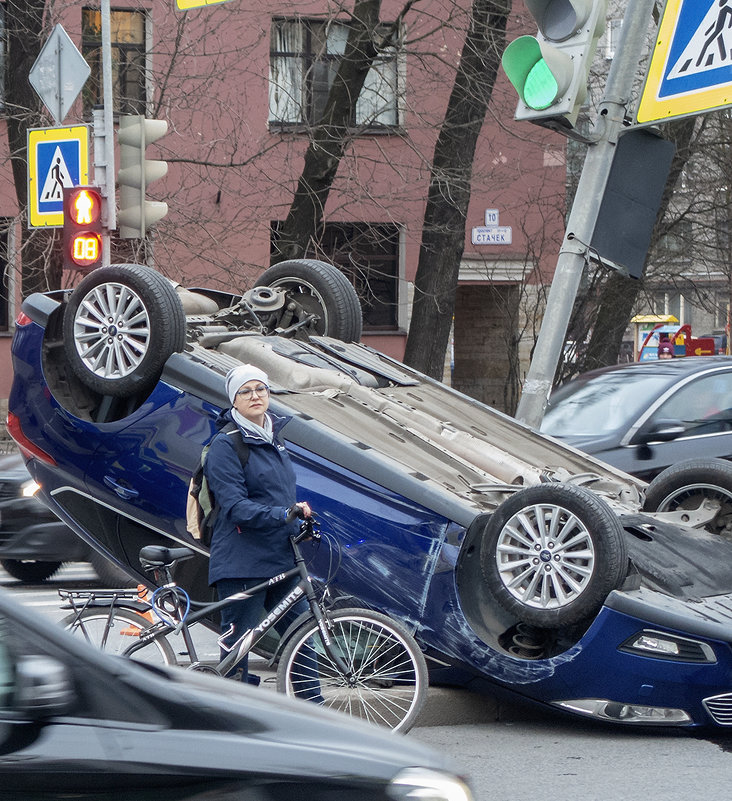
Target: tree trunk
(25,36)
(443,231)
(330,136)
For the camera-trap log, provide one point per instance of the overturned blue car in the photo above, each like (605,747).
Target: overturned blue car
(519,564)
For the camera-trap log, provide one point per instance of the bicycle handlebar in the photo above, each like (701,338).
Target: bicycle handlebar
(307,531)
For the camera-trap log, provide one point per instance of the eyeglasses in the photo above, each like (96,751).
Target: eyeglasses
(261,391)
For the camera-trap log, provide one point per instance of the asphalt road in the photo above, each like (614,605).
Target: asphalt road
(532,758)
(511,753)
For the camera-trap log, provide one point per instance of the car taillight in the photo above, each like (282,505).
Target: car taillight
(22,319)
(27,448)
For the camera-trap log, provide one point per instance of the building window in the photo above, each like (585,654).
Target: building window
(128,59)
(368,253)
(677,240)
(304,59)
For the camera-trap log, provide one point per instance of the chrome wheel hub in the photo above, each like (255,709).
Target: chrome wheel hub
(112,331)
(545,556)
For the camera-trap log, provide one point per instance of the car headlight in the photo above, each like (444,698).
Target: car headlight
(423,784)
(661,645)
(29,488)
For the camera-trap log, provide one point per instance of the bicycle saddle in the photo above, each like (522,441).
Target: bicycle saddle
(159,555)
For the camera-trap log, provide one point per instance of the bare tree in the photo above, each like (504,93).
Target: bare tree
(443,232)
(332,133)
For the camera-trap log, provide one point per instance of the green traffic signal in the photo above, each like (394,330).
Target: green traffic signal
(550,70)
(539,73)
(540,89)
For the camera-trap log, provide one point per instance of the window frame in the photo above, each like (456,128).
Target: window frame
(308,60)
(91,50)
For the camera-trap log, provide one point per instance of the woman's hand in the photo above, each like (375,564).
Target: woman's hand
(301,510)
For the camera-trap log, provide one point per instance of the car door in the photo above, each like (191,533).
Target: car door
(699,409)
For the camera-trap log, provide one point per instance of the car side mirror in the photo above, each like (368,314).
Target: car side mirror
(43,687)
(663,430)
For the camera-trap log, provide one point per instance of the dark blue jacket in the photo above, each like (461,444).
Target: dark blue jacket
(250,535)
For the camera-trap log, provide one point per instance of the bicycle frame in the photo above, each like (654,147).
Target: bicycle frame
(251,637)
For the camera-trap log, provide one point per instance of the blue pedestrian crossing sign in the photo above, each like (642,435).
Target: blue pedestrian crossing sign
(57,157)
(691,66)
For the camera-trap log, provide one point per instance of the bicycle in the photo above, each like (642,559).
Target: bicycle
(366,664)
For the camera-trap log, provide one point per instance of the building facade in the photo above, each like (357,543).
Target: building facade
(241,86)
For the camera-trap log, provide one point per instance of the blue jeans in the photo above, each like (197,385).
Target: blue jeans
(244,615)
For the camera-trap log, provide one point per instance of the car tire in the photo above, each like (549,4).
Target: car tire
(688,484)
(30,571)
(121,324)
(108,573)
(321,289)
(550,554)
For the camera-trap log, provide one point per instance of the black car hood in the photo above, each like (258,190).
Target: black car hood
(185,724)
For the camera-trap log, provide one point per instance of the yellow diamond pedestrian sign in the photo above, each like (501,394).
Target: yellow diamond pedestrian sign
(186,5)
(57,157)
(691,65)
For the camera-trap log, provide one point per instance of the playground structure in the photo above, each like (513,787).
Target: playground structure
(651,329)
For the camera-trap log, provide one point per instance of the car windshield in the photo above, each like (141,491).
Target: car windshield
(601,404)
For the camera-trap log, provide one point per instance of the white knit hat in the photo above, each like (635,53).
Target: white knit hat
(238,376)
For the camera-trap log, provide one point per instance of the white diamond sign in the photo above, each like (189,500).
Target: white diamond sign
(59,73)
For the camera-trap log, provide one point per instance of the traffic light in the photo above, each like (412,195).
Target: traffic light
(136,214)
(550,71)
(83,227)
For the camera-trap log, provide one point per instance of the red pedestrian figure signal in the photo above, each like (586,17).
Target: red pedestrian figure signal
(83,228)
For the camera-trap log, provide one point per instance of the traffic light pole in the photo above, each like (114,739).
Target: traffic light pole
(574,253)
(104,135)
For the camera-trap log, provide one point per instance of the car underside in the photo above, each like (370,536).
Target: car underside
(513,558)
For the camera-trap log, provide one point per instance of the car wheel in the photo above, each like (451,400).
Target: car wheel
(108,573)
(322,289)
(29,570)
(551,554)
(121,324)
(688,485)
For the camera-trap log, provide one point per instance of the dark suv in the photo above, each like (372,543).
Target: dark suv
(34,543)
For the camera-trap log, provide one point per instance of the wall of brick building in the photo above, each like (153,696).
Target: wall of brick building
(485,342)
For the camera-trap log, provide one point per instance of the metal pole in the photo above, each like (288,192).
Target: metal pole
(104,131)
(573,254)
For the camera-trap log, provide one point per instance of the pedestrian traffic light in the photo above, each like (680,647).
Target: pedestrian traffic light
(83,229)
(550,71)
(136,213)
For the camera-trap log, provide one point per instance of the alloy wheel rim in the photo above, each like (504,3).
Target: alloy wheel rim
(545,556)
(112,331)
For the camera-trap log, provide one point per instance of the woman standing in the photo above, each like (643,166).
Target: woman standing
(250,537)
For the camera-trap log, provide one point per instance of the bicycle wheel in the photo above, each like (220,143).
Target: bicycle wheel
(124,627)
(388,681)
